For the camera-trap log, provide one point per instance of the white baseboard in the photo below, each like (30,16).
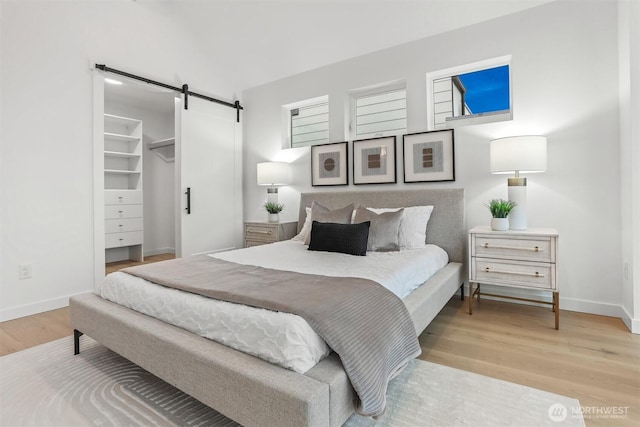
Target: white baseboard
(151,252)
(591,307)
(35,308)
(571,304)
(630,322)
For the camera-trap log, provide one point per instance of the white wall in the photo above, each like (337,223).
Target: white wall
(46,164)
(565,86)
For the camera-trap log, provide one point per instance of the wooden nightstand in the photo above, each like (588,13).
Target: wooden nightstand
(525,259)
(261,233)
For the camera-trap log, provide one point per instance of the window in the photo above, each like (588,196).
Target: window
(381,111)
(308,122)
(471,94)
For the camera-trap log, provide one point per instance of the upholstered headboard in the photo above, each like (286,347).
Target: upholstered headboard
(446,226)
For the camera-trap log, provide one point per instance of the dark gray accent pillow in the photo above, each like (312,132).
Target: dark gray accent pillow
(383,233)
(344,238)
(322,214)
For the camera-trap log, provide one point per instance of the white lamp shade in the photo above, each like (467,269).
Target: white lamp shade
(524,154)
(273,173)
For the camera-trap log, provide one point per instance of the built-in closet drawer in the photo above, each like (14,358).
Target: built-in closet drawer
(122,211)
(122,225)
(116,240)
(122,197)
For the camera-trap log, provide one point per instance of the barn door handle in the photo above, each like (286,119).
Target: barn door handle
(188,193)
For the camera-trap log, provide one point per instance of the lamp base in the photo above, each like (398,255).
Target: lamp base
(517,192)
(272,195)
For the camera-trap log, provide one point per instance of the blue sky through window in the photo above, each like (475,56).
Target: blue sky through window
(487,90)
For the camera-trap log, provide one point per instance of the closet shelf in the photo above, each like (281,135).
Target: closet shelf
(119,137)
(121,154)
(162,143)
(121,172)
(126,121)
(164,148)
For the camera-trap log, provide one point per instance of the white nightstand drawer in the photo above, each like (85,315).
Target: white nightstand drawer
(529,249)
(264,233)
(250,243)
(122,225)
(122,197)
(261,233)
(528,274)
(123,211)
(116,240)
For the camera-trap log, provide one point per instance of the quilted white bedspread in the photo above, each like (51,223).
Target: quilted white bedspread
(280,338)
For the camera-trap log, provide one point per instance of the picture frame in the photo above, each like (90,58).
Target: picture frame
(329,164)
(429,156)
(374,161)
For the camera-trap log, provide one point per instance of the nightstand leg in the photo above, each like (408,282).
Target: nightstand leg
(470,298)
(556,308)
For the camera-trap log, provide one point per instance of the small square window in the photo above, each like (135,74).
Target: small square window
(307,122)
(379,111)
(470,94)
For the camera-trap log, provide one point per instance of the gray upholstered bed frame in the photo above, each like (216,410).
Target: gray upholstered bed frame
(247,389)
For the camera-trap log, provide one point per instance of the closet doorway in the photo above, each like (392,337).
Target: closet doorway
(167,181)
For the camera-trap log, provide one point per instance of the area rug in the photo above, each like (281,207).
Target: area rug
(48,386)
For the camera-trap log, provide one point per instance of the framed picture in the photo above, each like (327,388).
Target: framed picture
(428,156)
(329,164)
(374,161)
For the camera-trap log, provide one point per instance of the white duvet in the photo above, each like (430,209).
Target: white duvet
(280,338)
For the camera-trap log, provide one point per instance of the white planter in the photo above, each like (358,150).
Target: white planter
(499,224)
(274,217)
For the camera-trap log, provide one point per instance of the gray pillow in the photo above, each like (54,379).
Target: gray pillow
(322,214)
(383,233)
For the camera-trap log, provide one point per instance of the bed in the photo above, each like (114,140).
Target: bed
(257,392)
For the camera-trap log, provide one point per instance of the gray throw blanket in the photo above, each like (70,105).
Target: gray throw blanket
(364,323)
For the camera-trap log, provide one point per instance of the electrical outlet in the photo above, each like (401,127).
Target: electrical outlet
(25,271)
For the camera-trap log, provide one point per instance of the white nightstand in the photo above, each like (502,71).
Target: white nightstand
(261,233)
(525,259)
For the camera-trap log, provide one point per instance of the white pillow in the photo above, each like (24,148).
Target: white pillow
(306,228)
(413,225)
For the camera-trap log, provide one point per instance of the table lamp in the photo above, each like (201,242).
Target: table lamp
(273,174)
(518,154)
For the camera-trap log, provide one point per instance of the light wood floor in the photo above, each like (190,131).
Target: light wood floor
(115,266)
(592,358)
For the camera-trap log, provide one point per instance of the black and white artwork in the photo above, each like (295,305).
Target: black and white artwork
(374,161)
(329,164)
(428,156)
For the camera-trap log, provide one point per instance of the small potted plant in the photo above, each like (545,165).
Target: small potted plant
(500,210)
(274,209)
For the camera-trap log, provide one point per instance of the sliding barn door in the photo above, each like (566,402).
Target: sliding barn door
(208,178)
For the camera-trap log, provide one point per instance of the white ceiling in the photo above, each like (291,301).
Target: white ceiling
(260,41)
(267,40)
